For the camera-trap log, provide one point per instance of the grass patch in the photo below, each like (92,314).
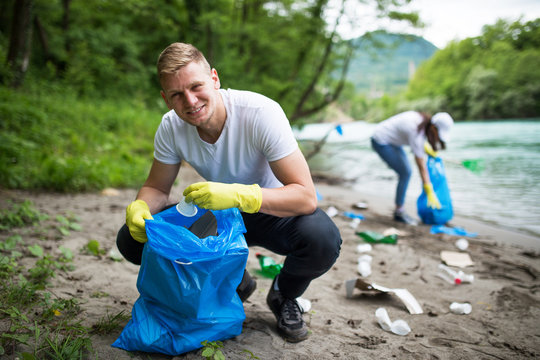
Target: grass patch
(62,143)
(35,323)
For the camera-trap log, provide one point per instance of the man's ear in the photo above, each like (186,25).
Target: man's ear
(215,78)
(165,99)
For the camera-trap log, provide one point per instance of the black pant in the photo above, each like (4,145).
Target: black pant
(311,244)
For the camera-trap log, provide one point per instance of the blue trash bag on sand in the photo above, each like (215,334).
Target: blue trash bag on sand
(437,176)
(187,285)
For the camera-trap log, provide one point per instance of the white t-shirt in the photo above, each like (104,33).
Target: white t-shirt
(402,129)
(255,133)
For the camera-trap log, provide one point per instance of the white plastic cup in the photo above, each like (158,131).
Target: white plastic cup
(186,208)
(362,248)
(462,244)
(460,308)
(364,265)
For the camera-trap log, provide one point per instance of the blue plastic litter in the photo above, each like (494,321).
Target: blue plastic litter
(187,285)
(437,229)
(353,215)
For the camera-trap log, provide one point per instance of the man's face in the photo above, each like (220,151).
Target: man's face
(192,93)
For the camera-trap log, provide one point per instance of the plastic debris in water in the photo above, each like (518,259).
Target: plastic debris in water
(475,165)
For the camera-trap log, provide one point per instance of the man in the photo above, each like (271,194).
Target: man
(242,143)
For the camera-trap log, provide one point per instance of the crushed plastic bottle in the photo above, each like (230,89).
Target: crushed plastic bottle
(376,238)
(454,277)
(269,268)
(460,308)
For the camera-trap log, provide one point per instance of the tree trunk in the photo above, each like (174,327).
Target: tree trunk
(20,43)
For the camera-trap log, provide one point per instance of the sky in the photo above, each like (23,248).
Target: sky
(445,20)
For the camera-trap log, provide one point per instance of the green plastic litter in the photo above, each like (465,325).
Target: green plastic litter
(377,238)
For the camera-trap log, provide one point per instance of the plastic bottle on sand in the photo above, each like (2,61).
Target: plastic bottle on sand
(269,267)
(454,277)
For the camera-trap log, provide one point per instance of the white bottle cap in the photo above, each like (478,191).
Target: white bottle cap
(186,209)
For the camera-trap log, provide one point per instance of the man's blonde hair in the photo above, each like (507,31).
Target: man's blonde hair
(176,56)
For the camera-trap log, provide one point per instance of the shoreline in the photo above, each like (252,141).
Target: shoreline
(384,207)
(504,295)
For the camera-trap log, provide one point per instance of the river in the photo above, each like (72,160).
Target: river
(504,191)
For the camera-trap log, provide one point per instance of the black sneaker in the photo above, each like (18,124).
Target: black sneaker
(404,218)
(246,287)
(290,324)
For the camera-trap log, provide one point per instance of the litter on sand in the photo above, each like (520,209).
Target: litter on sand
(462,244)
(394,231)
(460,308)
(403,294)
(353,215)
(362,248)
(305,304)
(454,258)
(398,327)
(375,237)
(360,206)
(441,229)
(332,211)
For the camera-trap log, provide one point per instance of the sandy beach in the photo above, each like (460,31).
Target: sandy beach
(505,299)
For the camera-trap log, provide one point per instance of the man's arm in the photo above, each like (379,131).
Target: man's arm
(297,196)
(155,191)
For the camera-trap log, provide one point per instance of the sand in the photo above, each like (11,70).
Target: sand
(504,322)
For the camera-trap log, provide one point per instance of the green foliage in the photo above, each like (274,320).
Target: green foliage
(32,319)
(109,324)
(73,144)
(495,75)
(20,214)
(93,248)
(211,350)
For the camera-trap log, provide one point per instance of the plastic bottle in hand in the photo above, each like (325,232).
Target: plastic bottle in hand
(269,267)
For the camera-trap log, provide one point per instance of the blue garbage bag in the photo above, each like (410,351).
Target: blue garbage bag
(437,176)
(187,285)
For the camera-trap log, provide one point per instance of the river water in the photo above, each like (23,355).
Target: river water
(505,191)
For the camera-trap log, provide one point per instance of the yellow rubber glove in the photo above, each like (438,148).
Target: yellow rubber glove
(219,196)
(432,200)
(136,213)
(429,150)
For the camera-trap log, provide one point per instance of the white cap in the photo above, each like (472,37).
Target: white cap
(443,122)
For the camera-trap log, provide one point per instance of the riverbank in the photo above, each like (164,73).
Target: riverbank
(504,295)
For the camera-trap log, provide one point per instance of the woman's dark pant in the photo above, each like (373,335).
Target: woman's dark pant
(311,244)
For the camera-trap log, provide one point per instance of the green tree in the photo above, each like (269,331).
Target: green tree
(495,75)
(106,49)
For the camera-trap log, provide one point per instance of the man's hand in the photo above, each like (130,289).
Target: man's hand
(219,196)
(136,213)
(432,200)
(429,150)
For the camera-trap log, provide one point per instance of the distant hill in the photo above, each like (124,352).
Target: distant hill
(383,61)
